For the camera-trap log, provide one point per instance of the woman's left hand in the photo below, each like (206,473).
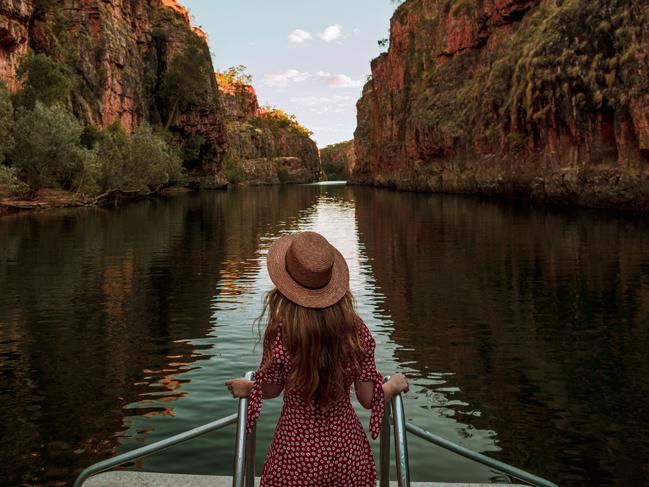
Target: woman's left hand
(239,387)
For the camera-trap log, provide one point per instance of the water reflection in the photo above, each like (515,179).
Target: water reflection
(541,317)
(524,331)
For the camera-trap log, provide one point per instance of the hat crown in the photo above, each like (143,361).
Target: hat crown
(310,260)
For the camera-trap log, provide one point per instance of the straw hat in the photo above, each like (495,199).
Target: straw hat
(308,270)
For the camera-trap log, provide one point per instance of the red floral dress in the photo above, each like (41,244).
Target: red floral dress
(318,448)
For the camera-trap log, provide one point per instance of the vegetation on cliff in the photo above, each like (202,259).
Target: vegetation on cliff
(44,145)
(265,144)
(547,99)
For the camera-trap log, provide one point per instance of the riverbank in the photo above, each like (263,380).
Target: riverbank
(50,198)
(617,188)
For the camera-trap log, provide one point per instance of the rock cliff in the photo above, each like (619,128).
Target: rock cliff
(118,55)
(338,160)
(265,145)
(542,99)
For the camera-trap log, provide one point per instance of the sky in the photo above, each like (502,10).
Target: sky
(308,58)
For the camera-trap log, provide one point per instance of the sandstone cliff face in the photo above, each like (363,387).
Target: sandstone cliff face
(117,53)
(268,146)
(544,99)
(14,36)
(338,160)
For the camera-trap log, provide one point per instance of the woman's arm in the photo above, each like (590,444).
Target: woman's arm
(365,390)
(241,388)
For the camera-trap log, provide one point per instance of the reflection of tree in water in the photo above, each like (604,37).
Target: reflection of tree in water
(97,311)
(541,316)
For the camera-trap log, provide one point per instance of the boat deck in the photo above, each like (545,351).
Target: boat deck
(148,479)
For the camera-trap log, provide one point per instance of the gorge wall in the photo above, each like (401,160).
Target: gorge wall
(265,145)
(338,160)
(541,99)
(117,55)
(142,61)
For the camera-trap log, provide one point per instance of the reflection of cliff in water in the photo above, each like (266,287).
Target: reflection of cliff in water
(97,311)
(542,317)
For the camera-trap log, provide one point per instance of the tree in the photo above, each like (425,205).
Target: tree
(236,75)
(6,122)
(157,162)
(43,80)
(189,77)
(139,164)
(47,149)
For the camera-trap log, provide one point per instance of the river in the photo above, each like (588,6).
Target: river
(524,331)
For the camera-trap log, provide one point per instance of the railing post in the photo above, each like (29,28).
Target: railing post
(400,442)
(384,447)
(240,449)
(250,457)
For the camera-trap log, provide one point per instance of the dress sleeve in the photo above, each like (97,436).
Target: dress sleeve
(370,374)
(272,373)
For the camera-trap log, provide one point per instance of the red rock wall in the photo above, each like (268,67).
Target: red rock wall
(14,38)
(262,145)
(338,160)
(118,52)
(541,99)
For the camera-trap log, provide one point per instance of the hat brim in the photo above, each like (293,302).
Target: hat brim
(323,297)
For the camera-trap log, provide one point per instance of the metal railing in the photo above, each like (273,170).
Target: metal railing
(244,471)
(245,446)
(401,450)
(145,451)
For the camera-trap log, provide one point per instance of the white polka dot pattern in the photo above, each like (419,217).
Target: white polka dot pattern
(315,447)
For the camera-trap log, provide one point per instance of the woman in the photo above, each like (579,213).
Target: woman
(315,348)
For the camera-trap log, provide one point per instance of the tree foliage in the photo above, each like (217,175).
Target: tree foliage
(138,164)
(43,80)
(53,149)
(235,75)
(47,149)
(281,119)
(189,77)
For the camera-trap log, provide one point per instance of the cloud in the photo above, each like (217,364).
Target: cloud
(332,33)
(324,104)
(299,36)
(321,100)
(282,79)
(343,81)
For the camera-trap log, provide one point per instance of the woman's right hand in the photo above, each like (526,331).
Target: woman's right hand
(396,385)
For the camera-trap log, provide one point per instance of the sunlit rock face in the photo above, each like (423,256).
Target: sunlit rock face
(268,149)
(116,53)
(14,38)
(538,99)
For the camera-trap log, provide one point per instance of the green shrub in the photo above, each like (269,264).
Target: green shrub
(155,162)
(43,80)
(138,164)
(48,149)
(233,170)
(9,181)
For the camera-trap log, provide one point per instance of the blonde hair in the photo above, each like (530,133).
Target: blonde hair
(324,345)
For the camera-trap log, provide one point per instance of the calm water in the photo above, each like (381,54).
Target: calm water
(524,332)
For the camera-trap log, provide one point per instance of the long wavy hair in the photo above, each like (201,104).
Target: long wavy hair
(324,345)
